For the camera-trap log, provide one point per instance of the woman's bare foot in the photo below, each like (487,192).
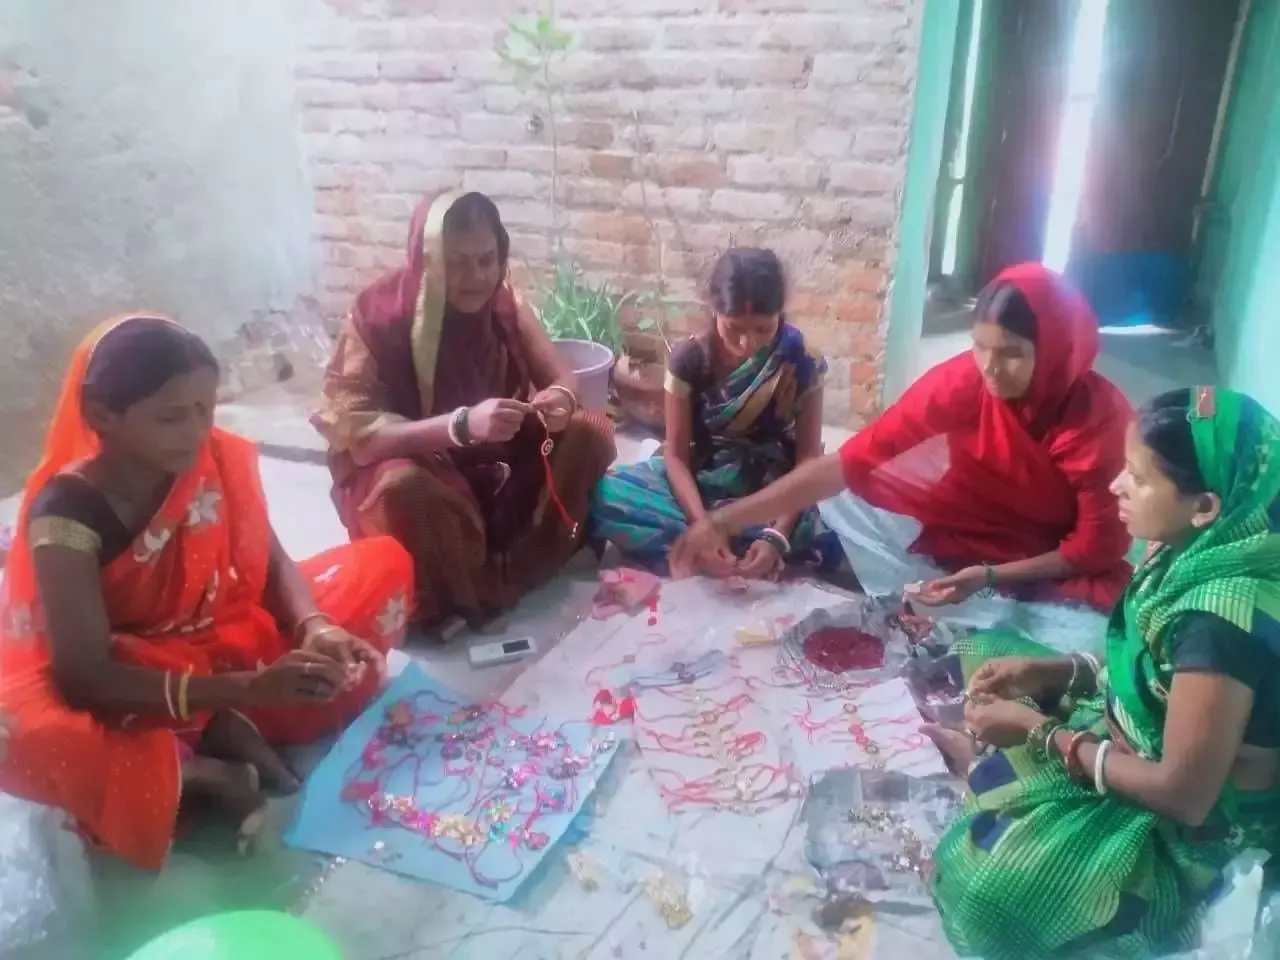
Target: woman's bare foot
(235,787)
(956,747)
(229,736)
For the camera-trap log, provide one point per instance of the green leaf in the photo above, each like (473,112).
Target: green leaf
(524,47)
(525,27)
(543,27)
(646,324)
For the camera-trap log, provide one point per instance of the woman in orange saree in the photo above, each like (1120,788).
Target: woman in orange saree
(154,636)
(439,396)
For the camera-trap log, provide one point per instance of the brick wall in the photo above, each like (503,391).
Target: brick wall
(773,122)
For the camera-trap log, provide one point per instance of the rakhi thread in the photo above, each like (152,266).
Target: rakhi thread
(847,727)
(547,446)
(505,781)
(711,733)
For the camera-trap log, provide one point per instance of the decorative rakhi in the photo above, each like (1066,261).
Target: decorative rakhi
(549,445)
(913,854)
(847,727)
(711,734)
(502,802)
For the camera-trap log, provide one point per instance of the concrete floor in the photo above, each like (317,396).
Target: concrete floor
(297,488)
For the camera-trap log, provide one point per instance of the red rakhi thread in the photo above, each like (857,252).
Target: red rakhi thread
(746,794)
(547,446)
(648,640)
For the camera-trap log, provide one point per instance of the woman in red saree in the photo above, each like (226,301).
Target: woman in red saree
(998,463)
(154,636)
(440,394)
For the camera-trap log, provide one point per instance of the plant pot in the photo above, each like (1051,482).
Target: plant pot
(644,348)
(641,393)
(591,363)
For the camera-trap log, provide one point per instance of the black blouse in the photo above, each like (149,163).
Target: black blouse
(1206,643)
(70,511)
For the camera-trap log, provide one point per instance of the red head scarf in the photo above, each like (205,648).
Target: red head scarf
(992,480)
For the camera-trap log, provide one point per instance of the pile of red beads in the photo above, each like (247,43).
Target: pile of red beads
(841,649)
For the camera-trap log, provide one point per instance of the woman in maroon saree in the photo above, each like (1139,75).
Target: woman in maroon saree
(434,408)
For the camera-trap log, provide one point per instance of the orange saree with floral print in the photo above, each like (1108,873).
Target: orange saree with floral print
(187,595)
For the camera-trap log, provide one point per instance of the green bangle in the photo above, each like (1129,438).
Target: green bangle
(1039,739)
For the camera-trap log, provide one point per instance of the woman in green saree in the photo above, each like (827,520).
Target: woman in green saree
(1102,824)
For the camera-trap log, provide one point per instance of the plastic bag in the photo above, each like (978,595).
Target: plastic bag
(1234,928)
(1266,935)
(937,685)
(46,894)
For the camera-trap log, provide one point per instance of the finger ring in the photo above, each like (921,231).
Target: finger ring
(307,667)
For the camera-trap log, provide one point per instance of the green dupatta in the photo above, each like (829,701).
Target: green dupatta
(1230,569)
(1040,866)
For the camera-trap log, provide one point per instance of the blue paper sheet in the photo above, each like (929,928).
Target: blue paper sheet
(429,784)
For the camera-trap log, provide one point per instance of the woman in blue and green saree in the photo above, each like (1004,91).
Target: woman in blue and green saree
(743,408)
(1119,790)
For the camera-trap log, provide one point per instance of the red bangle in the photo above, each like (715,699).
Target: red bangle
(1075,770)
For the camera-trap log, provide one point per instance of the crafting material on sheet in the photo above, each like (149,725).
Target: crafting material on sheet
(670,898)
(433,785)
(816,649)
(754,636)
(878,728)
(707,744)
(677,794)
(625,590)
(610,710)
(871,834)
(841,649)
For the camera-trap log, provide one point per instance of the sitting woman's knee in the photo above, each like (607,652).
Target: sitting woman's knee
(589,434)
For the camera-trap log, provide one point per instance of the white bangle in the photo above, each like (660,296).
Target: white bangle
(1094,665)
(1075,673)
(453,427)
(782,538)
(168,694)
(1100,768)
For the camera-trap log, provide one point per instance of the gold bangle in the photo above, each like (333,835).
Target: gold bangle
(300,626)
(183,712)
(568,394)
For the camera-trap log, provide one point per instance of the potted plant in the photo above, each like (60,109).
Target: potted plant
(582,320)
(641,369)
